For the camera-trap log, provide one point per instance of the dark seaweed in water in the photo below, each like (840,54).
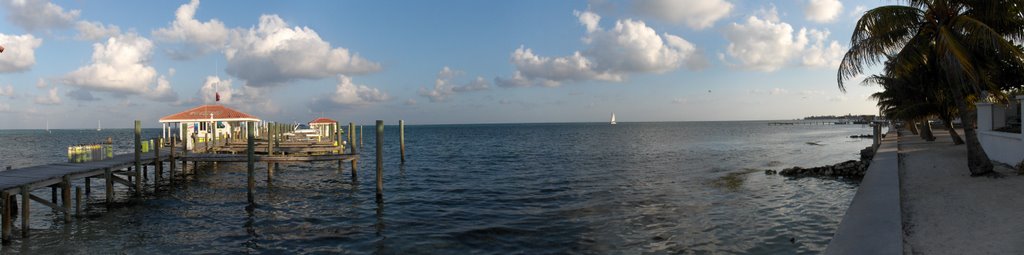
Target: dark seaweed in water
(498,189)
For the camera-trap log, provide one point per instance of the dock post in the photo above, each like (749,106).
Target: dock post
(6,225)
(380,161)
(66,197)
(352,136)
(109,185)
(88,185)
(159,164)
(24,210)
(170,173)
(270,171)
(78,201)
(138,155)
(251,158)
(401,138)
(270,140)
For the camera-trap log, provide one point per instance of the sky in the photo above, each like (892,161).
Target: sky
(70,64)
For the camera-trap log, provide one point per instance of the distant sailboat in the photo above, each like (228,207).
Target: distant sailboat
(47,126)
(613,119)
(99,125)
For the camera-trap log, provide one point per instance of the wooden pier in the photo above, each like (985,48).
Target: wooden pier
(130,170)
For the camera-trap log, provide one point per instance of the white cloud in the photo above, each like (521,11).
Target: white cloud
(19,52)
(837,98)
(212,86)
(765,45)
(858,11)
(272,53)
(197,38)
(629,47)
(697,14)
(40,83)
(94,31)
(121,65)
(444,87)
(818,54)
(38,15)
(410,101)
(348,93)
(5,107)
(823,11)
(50,98)
(7,91)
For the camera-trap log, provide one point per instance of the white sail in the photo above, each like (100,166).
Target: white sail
(99,125)
(613,119)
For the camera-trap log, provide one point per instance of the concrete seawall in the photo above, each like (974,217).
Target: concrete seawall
(873,224)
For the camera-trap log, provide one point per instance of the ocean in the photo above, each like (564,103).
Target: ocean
(573,188)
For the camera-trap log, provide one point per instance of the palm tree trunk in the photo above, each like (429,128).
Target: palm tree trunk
(926,131)
(913,126)
(952,132)
(977,160)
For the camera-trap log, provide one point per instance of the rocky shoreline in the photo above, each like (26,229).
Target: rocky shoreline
(850,169)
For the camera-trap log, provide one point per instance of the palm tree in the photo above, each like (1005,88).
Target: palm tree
(955,36)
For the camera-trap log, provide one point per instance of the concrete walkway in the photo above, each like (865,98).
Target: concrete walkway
(945,211)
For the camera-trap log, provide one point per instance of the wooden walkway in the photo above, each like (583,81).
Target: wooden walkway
(121,169)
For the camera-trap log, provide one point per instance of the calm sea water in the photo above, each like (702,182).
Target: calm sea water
(481,189)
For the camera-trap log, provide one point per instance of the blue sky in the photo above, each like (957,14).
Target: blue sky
(71,63)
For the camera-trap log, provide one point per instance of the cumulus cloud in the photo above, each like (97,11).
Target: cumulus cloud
(696,14)
(348,93)
(81,95)
(162,92)
(40,83)
(7,91)
(38,15)
(196,38)
(823,11)
(120,65)
(273,53)
(628,47)
(858,11)
(212,86)
(51,98)
(445,87)
(766,44)
(19,53)
(94,31)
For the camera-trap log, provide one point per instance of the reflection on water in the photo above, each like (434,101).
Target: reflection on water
(529,188)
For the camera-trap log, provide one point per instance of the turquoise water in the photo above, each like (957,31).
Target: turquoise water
(491,189)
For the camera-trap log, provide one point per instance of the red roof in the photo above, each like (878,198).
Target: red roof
(203,112)
(323,120)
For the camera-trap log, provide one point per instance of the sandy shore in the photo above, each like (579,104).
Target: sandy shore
(945,211)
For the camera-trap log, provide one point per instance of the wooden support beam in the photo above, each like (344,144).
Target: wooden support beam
(109,185)
(24,210)
(6,225)
(78,201)
(401,137)
(42,201)
(251,157)
(66,195)
(138,160)
(158,163)
(380,161)
(170,173)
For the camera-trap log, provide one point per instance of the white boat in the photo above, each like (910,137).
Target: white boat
(613,119)
(99,125)
(303,131)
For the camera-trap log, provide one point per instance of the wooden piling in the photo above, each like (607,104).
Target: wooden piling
(380,161)
(78,201)
(170,173)
(159,165)
(88,185)
(24,210)
(138,155)
(401,137)
(6,225)
(66,197)
(109,186)
(351,136)
(270,139)
(251,157)
(270,171)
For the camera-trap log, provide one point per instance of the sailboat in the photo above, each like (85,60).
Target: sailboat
(613,119)
(99,125)
(47,126)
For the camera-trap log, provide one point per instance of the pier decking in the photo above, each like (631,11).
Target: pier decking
(131,170)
